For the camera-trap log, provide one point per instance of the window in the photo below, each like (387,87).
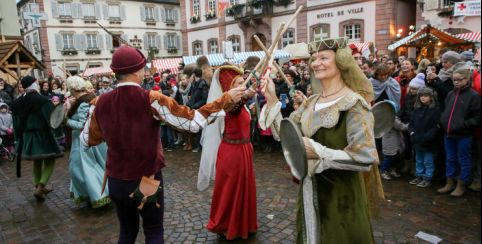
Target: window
(236,43)
(288,38)
(169,14)
(213,46)
(151,41)
(65,10)
(196,8)
(171,41)
(197,47)
(353,32)
(92,41)
(114,11)
(447,3)
(212,5)
(320,31)
(68,41)
(149,11)
(233,2)
(88,10)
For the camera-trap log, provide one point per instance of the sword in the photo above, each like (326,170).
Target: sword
(114,36)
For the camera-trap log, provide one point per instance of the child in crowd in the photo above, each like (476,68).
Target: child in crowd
(423,130)
(6,127)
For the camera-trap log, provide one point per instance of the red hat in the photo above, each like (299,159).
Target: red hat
(127,60)
(226,76)
(354,49)
(156,88)
(157,79)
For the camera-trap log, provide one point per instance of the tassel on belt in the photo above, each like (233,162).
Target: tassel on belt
(236,141)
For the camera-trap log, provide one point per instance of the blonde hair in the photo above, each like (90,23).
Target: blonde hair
(76,83)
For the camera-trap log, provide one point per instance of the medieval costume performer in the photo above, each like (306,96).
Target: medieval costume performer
(127,119)
(228,149)
(333,201)
(33,133)
(86,166)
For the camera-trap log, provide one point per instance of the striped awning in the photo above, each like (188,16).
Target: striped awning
(167,63)
(361,46)
(242,56)
(96,71)
(215,59)
(470,36)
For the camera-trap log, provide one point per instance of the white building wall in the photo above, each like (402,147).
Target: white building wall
(234,29)
(131,24)
(331,16)
(471,23)
(204,36)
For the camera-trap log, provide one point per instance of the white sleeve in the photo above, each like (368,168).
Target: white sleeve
(270,117)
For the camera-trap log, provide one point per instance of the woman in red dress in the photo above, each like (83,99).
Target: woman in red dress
(233,206)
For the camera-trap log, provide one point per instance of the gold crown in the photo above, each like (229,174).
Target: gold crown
(327,44)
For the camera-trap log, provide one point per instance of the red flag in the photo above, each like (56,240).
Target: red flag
(222,4)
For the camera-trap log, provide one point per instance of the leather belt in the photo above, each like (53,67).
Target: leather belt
(237,141)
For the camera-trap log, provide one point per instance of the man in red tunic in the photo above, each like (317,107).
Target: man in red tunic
(126,120)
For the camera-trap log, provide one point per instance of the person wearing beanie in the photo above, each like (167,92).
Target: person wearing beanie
(459,119)
(355,53)
(128,117)
(86,166)
(34,136)
(423,130)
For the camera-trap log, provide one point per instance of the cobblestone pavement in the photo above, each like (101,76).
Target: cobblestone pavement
(58,220)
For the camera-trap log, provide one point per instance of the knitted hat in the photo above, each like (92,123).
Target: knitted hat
(451,56)
(418,81)
(55,99)
(467,56)
(27,81)
(127,60)
(425,91)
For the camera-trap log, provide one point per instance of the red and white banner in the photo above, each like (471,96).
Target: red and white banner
(467,8)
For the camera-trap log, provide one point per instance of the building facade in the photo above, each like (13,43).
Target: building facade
(439,13)
(67,37)
(204,27)
(9,27)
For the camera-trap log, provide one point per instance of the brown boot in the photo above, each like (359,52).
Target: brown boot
(459,190)
(47,190)
(449,186)
(39,192)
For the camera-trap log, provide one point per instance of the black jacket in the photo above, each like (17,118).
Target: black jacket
(407,109)
(442,88)
(462,113)
(423,128)
(199,94)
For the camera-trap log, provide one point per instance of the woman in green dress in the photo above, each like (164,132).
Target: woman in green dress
(342,183)
(35,141)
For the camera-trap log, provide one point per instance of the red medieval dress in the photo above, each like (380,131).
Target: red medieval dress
(233,206)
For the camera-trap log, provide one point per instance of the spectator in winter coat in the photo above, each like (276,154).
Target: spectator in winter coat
(442,83)
(423,130)
(407,73)
(459,118)
(199,97)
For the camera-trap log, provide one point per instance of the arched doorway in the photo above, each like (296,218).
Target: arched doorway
(254,44)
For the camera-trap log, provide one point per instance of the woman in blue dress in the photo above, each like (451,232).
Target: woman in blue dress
(86,165)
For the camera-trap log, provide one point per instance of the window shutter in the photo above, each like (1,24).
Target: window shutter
(144,39)
(58,42)
(81,11)
(78,42)
(163,14)
(178,42)
(55,9)
(166,42)
(97,11)
(174,15)
(75,10)
(143,13)
(108,42)
(156,14)
(158,42)
(105,9)
(100,42)
(122,12)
